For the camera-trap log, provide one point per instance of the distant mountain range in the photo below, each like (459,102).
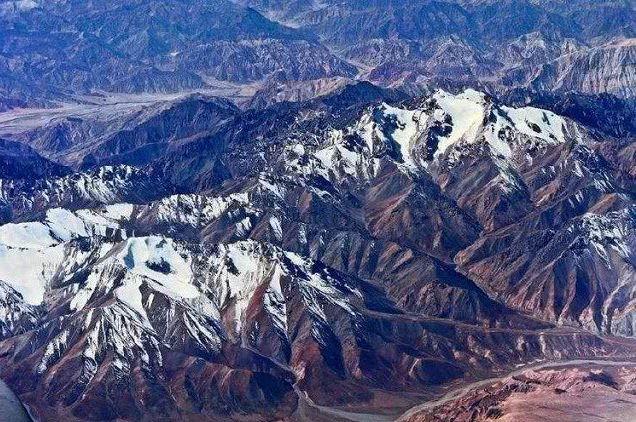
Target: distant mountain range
(584,46)
(57,49)
(54,49)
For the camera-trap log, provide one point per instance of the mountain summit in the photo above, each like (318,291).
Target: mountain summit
(304,210)
(272,261)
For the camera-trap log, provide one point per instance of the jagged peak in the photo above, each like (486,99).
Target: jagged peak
(440,129)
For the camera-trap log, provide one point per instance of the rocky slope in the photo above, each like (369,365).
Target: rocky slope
(603,68)
(565,393)
(580,46)
(356,249)
(59,50)
(135,137)
(56,49)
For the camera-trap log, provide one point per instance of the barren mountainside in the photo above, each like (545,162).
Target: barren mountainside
(317,210)
(358,253)
(62,49)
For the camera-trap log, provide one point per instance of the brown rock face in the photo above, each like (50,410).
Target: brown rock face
(564,394)
(316,258)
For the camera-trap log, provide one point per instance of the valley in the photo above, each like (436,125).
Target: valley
(265,210)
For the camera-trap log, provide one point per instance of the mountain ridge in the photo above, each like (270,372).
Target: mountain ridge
(354,247)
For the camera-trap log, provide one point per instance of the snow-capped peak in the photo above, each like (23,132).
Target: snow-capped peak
(438,130)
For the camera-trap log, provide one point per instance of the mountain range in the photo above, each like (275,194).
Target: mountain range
(53,50)
(317,210)
(196,258)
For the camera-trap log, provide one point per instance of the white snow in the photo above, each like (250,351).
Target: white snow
(274,222)
(53,350)
(319,285)
(144,255)
(27,235)
(407,127)
(604,233)
(130,294)
(28,270)
(65,225)
(17,6)
(277,190)
(470,118)
(547,122)
(243,226)
(299,149)
(83,295)
(255,263)
(467,112)
(194,209)
(118,212)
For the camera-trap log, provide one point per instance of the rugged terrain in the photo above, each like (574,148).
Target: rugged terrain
(56,50)
(67,49)
(566,393)
(359,251)
(580,45)
(318,210)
